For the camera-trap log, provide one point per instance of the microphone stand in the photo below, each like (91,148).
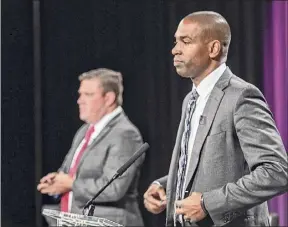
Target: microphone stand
(90,202)
(118,173)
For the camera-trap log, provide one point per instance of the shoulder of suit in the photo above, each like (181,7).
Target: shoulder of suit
(124,124)
(83,128)
(239,85)
(185,100)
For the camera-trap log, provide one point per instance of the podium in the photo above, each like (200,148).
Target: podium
(70,219)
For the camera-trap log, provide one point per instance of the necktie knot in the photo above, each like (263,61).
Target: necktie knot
(194,94)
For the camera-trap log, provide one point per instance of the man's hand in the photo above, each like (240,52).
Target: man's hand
(191,208)
(155,199)
(61,183)
(46,181)
(48,178)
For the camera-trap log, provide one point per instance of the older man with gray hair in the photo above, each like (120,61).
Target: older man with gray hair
(104,143)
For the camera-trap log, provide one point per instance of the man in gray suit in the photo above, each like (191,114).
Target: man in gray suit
(104,143)
(228,158)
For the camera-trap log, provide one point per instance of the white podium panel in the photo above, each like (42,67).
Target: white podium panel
(70,219)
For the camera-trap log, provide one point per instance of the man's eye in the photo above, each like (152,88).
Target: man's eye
(182,41)
(88,94)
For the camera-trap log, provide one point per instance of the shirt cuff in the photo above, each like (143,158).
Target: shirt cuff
(157,182)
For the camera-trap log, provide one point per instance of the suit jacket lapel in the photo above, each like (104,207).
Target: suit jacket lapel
(172,176)
(174,160)
(105,130)
(78,139)
(208,115)
(101,135)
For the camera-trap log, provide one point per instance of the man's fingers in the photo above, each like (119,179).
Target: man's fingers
(52,176)
(163,202)
(46,190)
(179,211)
(48,178)
(157,192)
(162,194)
(150,199)
(39,187)
(50,189)
(43,179)
(152,189)
(42,186)
(152,207)
(155,199)
(149,191)
(153,204)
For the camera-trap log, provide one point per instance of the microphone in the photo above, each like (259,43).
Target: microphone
(133,158)
(118,173)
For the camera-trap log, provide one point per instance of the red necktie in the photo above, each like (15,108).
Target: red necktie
(73,169)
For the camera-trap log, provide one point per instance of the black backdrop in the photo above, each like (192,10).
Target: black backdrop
(134,37)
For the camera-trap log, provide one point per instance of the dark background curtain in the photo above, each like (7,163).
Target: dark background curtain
(134,37)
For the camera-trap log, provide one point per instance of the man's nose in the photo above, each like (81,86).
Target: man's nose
(176,49)
(79,100)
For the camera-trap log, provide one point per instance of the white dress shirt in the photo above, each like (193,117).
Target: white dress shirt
(98,127)
(204,90)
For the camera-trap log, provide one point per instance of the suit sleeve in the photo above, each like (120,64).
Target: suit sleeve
(120,151)
(162,181)
(264,153)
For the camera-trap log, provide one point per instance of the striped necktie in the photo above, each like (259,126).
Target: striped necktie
(184,150)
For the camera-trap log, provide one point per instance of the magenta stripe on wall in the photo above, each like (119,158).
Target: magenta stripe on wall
(276,83)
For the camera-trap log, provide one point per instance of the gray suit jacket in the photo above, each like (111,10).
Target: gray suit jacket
(116,143)
(238,159)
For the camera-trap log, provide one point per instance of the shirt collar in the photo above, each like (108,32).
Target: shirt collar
(107,118)
(207,84)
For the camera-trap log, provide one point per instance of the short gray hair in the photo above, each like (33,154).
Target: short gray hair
(109,79)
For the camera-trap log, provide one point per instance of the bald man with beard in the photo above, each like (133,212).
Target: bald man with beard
(228,158)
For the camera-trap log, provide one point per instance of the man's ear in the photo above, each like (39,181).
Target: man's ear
(214,49)
(110,98)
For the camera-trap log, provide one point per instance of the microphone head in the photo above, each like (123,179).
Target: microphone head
(134,157)
(118,173)
(144,146)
